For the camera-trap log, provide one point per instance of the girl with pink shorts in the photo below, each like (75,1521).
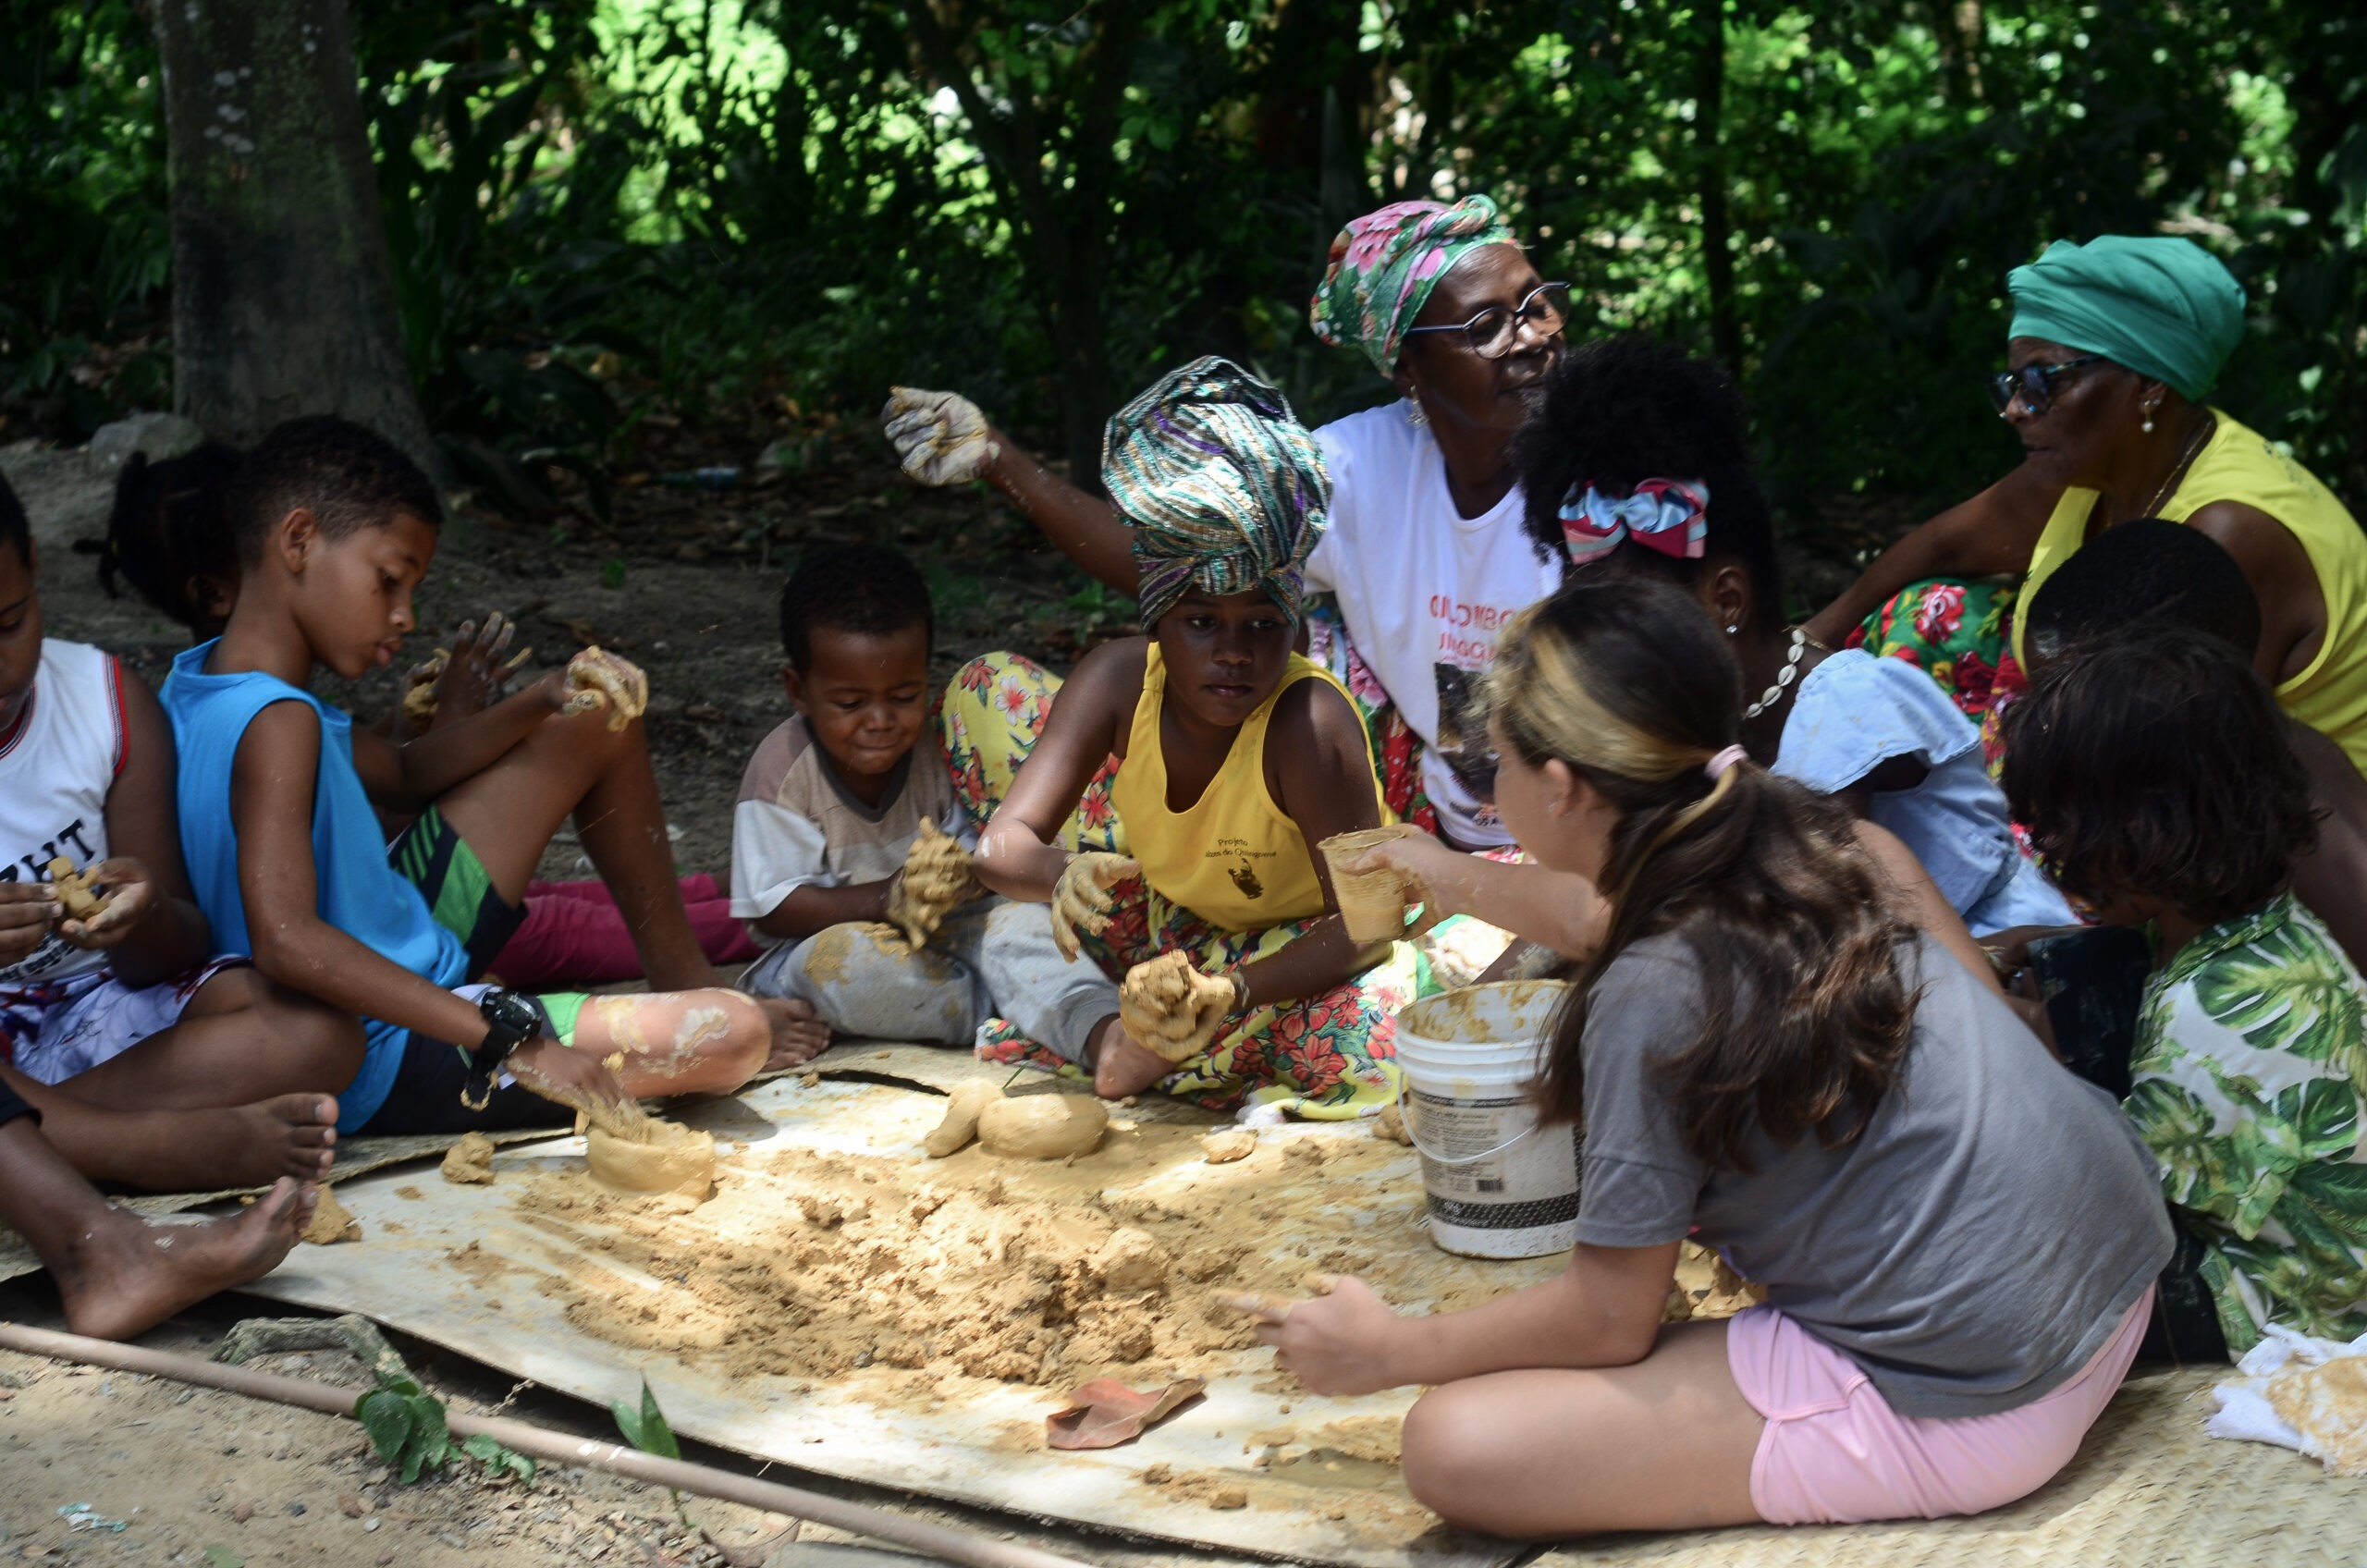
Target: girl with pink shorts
(1957,1238)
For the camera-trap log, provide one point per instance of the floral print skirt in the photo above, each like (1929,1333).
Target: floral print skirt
(1329,1058)
(1961,634)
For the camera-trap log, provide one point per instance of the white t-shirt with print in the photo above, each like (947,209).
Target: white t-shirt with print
(1424,591)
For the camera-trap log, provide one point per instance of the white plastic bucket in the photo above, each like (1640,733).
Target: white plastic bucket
(1499,1184)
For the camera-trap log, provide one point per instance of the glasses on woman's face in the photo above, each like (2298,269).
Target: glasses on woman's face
(1494,331)
(2034,385)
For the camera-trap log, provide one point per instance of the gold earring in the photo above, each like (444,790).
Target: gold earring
(1413,414)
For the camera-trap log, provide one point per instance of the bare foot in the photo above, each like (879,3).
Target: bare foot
(124,1274)
(1120,1066)
(181,1151)
(799,1034)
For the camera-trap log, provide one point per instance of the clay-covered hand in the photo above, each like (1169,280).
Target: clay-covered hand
(1081,899)
(465,678)
(1424,867)
(124,893)
(936,877)
(1171,1008)
(575,1079)
(1335,1343)
(597,678)
(941,437)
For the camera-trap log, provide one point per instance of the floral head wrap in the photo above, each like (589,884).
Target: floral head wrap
(1224,488)
(1384,264)
(2165,307)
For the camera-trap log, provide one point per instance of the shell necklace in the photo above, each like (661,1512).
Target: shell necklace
(1783,677)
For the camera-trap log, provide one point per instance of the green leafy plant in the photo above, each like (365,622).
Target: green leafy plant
(645,1429)
(406,1426)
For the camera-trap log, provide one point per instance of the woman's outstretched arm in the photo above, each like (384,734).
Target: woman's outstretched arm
(1992,533)
(943,438)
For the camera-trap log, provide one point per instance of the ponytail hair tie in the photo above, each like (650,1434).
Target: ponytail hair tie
(1717,765)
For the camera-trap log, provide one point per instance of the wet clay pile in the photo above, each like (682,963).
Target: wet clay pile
(627,1150)
(910,1276)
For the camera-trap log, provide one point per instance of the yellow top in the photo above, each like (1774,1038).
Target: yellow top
(2237,464)
(1232,857)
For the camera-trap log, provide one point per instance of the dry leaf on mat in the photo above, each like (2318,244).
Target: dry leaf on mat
(1105,1413)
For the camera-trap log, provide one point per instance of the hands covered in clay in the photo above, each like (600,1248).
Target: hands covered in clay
(465,678)
(569,1077)
(126,894)
(1425,867)
(597,678)
(1335,1343)
(1172,1009)
(941,437)
(94,909)
(1081,899)
(936,877)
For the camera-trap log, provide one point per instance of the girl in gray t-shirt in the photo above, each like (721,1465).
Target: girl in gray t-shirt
(1956,1237)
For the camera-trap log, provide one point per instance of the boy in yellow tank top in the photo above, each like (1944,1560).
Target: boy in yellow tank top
(1234,757)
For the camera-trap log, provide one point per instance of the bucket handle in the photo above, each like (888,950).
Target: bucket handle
(1419,1147)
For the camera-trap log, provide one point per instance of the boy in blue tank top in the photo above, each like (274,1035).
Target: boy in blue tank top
(280,795)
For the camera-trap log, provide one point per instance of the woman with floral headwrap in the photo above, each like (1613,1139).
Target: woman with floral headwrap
(1233,756)
(1424,560)
(2114,346)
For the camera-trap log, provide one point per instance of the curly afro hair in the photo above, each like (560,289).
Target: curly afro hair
(1621,409)
(2154,765)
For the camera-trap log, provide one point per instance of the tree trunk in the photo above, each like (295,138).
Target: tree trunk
(283,301)
(1717,228)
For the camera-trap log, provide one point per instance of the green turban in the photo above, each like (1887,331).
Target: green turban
(2165,307)
(1223,488)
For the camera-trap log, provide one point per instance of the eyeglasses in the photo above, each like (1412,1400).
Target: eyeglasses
(1494,330)
(2034,385)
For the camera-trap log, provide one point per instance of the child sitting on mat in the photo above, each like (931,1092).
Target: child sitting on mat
(334,529)
(1765,1057)
(849,851)
(167,536)
(1237,757)
(2155,773)
(158,1059)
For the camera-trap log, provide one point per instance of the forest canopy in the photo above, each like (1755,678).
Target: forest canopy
(600,212)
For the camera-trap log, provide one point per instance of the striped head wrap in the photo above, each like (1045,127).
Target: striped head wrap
(1224,489)
(1384,264)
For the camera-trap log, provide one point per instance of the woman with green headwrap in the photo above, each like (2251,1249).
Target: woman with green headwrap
(1233,758)
(2114,346)
(1425,558)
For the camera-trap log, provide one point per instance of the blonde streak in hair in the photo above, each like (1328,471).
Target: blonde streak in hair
(1556,704)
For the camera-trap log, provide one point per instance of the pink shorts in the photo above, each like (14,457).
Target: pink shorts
(1835,1452)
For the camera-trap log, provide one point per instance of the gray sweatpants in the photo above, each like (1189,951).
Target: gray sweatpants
(991,958)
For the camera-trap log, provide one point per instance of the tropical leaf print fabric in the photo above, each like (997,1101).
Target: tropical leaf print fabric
(2250,1086)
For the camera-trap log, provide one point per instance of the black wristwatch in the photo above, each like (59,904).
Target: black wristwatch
(510,1019)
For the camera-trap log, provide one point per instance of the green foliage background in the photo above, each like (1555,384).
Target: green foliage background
(605,212)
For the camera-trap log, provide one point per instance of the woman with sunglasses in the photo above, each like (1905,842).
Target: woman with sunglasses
(2113,348)
(1425,558)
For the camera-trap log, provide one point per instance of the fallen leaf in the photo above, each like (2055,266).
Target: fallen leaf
(223,1557)
(1105,1413)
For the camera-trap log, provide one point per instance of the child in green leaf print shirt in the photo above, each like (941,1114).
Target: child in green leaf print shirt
(2155,778)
